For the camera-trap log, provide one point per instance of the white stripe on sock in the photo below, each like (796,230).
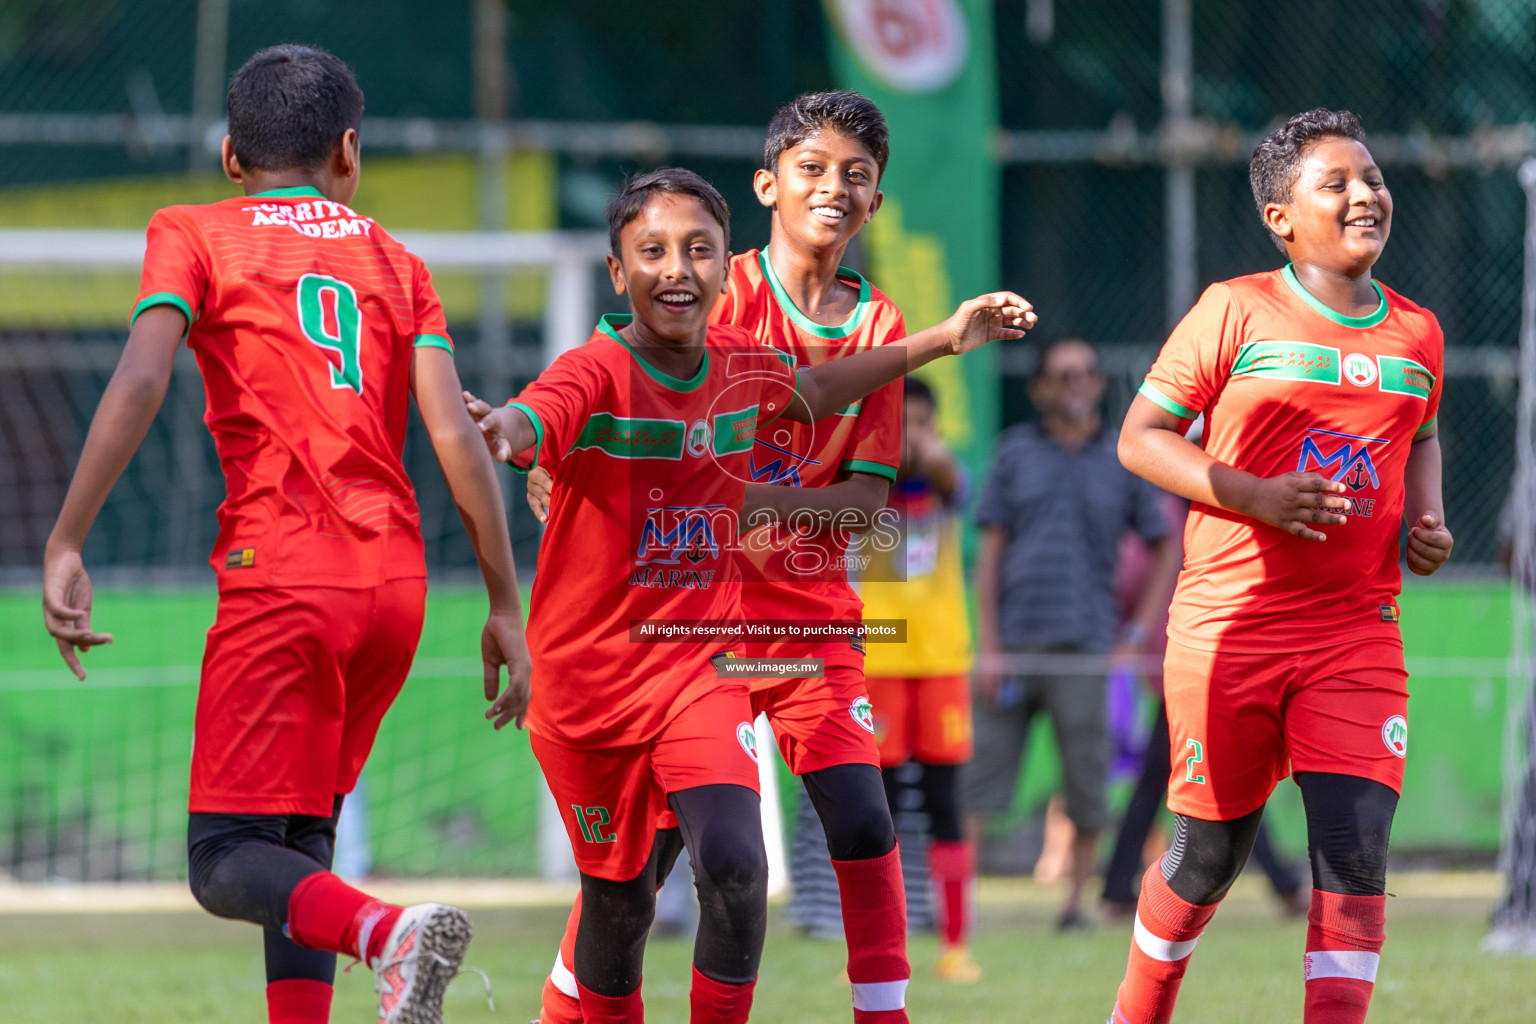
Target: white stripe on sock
(1162,949)
(880,995)
(564,980)
(1329,963)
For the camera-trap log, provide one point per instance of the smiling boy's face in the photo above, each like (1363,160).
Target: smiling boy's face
(672,264)
(1340,212)
(825,189)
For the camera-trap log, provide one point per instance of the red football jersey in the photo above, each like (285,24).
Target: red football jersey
(804,574)
(1289,385)
(303,318)
(649,475)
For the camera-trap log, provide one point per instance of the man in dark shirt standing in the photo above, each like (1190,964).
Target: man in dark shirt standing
(1055,505)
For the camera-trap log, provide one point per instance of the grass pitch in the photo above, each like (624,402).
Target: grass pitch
(179,967)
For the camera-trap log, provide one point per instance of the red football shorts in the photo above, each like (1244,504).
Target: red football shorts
(822,722)
(612,798)
(295,682)
(926,718)
(1239,723)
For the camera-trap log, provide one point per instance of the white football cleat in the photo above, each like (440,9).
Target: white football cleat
(420,958)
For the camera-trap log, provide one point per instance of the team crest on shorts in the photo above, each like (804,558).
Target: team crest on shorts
(1394,733)
(864,713)
(747,737)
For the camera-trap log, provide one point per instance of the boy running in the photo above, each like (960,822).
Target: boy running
(822,162)
(311,326)
(648,431)
(1320,388)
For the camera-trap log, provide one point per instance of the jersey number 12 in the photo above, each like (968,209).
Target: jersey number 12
(339,332)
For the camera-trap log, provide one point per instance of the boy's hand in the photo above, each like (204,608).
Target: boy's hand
(1292,501)
(502,642)
(541,486)
(996,316)
(67,607)
(1429,544)
(488,420)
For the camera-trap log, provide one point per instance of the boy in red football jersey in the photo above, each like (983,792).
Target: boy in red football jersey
(626,729)
(1320,389)
(311,326)
(822,162)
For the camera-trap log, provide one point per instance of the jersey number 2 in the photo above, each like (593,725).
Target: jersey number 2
(338,332)
(1193,759)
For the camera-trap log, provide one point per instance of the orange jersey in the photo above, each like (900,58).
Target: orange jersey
(804,574)
(1289,385)
(649,475)
(303,318)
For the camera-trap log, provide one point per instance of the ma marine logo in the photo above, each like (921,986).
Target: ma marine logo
(679,534)
(1343,457)
(785,469)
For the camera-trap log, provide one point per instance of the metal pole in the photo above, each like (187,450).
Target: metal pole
(1514,917)
(1179,185)
(208,67)
(491,88)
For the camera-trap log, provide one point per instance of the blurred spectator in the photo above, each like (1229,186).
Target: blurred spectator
(1051,515)
(921,689)
(1127,862)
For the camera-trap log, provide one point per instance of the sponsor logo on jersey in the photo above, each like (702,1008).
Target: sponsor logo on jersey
(682,536)
(785,469)
(1360,370)
(1346,458)
(240,558)
(1394,733)
(747,737)
(698,438)
(1389,613)
(864,713)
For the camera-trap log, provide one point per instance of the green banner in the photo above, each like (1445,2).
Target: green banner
(929,65)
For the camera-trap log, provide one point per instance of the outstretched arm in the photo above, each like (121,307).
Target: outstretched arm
(848,506)
(1429,542)
(127,408)
(472,479)
(1153,446)
(827,388)
(506,430)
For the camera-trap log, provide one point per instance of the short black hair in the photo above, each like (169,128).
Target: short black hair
(842,111)
(915,387)
(1043,354)
(637,190)
(1276,162)
(288,105)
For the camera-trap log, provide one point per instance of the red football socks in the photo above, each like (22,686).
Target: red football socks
(952,866)
(560,1002)
(326,913)
(1344,939)
(596,1009)
(715,1002)
(298,1001)
(875,923)
(1167,929)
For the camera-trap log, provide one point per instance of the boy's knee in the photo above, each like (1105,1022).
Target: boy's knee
(1207,856)
(861,832)
(732,865)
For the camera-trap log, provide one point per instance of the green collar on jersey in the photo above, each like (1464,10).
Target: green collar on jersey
(1288,274)
(610,325)
(308,191)
(804,322)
